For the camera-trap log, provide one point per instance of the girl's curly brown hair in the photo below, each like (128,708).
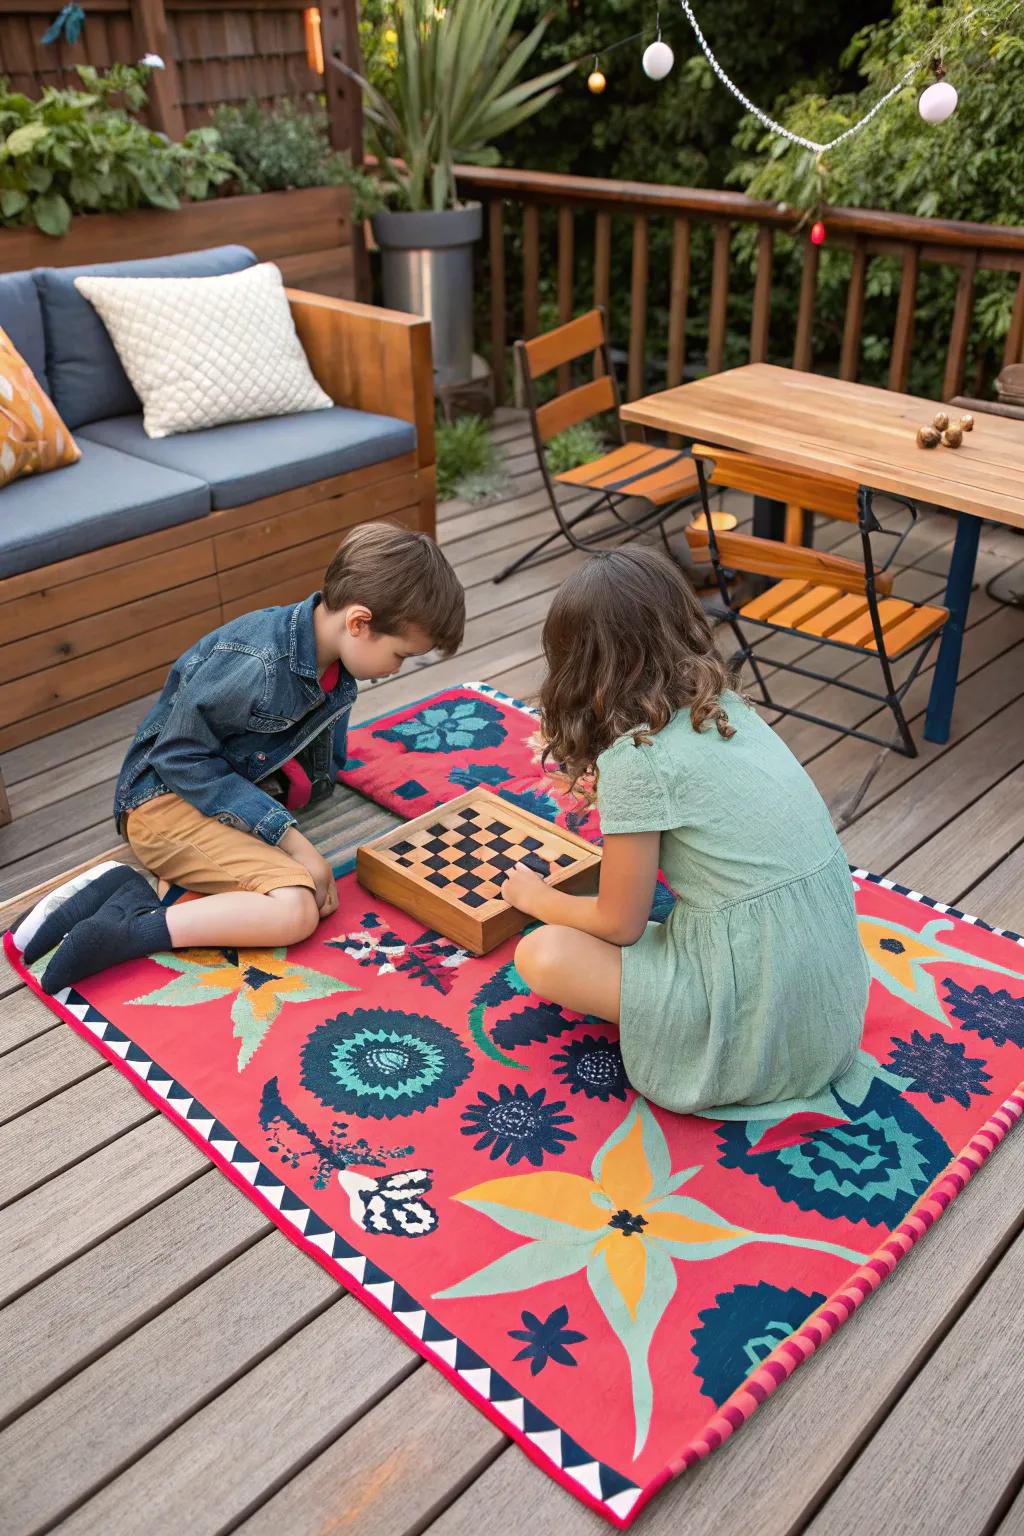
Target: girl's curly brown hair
(627,644)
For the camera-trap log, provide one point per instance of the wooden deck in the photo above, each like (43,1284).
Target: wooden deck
(172,1363)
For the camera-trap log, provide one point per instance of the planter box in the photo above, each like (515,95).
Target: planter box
(308,233)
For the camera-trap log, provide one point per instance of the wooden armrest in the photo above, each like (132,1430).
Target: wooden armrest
(767,557)
(371,359)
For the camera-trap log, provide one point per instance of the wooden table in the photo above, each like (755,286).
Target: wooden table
(866,435)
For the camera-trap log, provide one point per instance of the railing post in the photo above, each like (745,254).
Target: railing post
(803,350)
(531,268)
(638,309)
(1013,347)
(339,33)
(853,325)
(566,262)
(152,36)
(496,234)
(678,301)
(903,335)
(718,312)
(956,353)
(761,315)
(602,274)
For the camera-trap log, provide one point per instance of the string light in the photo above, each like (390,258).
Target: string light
(658,57)
(936,103)
(769,122)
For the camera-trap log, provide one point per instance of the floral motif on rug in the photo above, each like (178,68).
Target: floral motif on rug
(617,1286)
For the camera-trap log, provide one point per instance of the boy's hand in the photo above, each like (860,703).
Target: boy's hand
(302,851)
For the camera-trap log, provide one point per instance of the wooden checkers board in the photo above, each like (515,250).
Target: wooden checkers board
(447,868)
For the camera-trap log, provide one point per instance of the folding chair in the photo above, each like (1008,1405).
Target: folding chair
(663,477)
(827,598)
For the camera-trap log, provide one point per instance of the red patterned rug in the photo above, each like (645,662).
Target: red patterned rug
(618,1288)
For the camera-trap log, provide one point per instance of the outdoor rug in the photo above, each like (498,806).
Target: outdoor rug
(618,1288)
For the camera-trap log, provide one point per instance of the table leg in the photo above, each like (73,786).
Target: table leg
(770,521)
(958,597)
(769,518)
(5,806)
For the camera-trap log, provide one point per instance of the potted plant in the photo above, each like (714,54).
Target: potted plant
(455,89)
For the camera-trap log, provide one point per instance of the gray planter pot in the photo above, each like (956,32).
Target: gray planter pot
(427,269)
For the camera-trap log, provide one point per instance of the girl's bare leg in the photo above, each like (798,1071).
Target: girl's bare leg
(572,969)
(244,919)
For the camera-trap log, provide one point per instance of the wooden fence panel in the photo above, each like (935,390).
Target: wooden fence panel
(214,51)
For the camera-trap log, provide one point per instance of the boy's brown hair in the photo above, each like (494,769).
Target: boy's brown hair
(403,578)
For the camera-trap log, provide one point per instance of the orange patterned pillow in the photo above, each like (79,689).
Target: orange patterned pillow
(33,438)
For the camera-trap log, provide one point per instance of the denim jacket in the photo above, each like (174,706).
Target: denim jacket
(237,706)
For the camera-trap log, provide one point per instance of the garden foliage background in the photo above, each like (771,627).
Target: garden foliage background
(817,65)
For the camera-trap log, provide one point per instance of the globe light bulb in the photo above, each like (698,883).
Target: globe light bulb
(818,233)
(596,82)
(937,102)
(658,60)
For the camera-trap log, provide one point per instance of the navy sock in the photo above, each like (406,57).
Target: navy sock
(81,905)
(130,924)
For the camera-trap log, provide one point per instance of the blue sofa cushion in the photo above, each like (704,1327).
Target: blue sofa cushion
(87,381)
(247,460)
(103,499)
(22,318)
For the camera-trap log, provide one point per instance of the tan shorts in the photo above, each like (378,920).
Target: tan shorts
(184,847)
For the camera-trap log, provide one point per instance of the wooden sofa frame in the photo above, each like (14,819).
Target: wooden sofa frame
(83,635)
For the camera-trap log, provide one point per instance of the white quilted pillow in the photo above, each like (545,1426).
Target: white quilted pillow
(205,350)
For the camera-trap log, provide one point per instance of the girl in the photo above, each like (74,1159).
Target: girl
(754,989)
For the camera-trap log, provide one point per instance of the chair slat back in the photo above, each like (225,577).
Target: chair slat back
(574,406)
(768,557)
(564,343)
(763,477)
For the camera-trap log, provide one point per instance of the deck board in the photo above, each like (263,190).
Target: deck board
(950,1469)
(280,1405)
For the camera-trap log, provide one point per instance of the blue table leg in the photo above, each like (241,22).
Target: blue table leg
(958,597)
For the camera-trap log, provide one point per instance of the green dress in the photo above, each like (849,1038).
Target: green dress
(754,988)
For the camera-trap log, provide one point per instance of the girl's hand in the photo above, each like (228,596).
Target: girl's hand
(525,890)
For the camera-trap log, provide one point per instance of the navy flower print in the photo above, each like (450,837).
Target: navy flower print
(995,1016)
(939,1067)
(593,1066)
(546,1341)
(518,1125)
(448,725)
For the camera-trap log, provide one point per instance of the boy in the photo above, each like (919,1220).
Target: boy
(267,694)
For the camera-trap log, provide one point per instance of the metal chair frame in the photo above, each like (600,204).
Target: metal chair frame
(611,496)
(893,696)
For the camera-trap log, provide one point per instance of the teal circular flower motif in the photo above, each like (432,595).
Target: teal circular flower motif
(452,725)
(382,1065)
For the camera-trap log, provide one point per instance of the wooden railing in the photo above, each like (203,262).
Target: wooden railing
(515,200)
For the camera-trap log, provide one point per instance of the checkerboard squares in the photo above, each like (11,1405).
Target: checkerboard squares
(449,866)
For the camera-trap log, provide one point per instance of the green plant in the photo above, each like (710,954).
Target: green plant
(76,151)
(289,146)
(455,88)
(468,463)
(581,444)
(967,168)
